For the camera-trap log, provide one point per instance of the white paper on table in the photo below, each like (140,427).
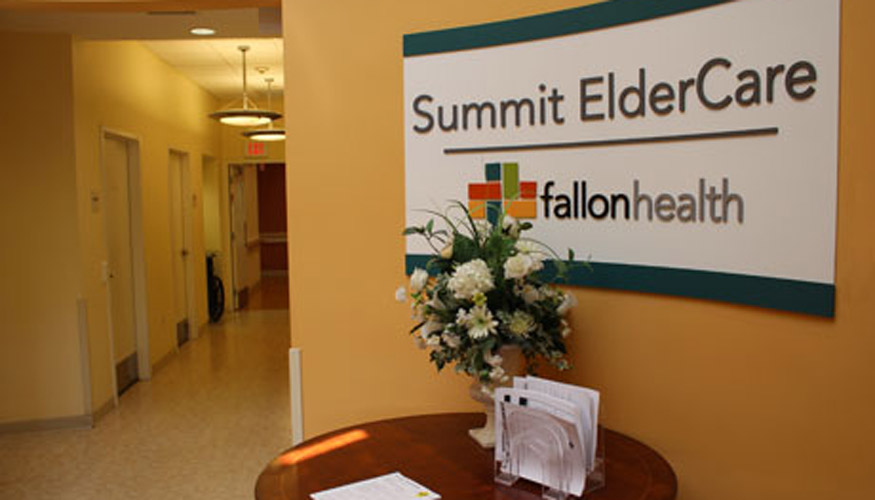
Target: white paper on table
(568,415)
(394,486)
(587,399)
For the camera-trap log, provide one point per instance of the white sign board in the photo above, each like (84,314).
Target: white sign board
(686,147)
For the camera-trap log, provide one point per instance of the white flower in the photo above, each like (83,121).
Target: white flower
(493,359)
(548,292)
(520,265)
(529,294)
(417,311)
(478,320)
(451,339)
(435,302)
(483,227)
(566,330)
(418,280)
(511,226)
(400,294)
(521,323)
(447,251)
(433,341)
(470,278)
(532,249)
(418,341)
(568,301)
(498,374)
(431,326)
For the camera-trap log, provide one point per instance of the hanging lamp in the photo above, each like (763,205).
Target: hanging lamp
(249,115)
(268,134)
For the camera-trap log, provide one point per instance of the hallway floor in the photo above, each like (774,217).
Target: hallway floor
(202,428)
(272,292)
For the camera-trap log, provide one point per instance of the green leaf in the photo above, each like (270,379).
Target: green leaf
(496,247)
(468,217)
(430,226)
(488,346)
(444,217)
(412,230)
(464,248)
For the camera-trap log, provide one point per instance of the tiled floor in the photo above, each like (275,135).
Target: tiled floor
(202,428)
(272,292)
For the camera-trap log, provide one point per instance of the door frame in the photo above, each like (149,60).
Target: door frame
(138,255)
(233,268)
(235,272)
(224,225)
(188,208)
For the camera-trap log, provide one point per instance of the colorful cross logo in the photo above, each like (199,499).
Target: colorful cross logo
(502,188)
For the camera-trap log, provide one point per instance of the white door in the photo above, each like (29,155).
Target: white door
(237,190)
(119,272)
(180,230)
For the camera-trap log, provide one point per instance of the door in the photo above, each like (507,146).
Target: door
(119,270)
(237,188)
(180,230)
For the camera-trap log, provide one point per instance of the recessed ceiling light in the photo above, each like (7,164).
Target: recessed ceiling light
(202,31)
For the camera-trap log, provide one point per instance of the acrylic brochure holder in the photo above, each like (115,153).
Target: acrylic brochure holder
(540,446)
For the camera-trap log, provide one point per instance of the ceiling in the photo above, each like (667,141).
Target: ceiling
(214,63)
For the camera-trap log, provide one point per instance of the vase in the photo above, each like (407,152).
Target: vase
(512,364)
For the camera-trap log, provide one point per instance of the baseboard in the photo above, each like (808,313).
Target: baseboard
(162,363)
(103,411)
(49,424)
(183,332)
(126,373)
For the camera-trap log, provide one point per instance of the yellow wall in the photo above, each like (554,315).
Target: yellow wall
(744,402)
(212,209)
(40,368)
(125,88)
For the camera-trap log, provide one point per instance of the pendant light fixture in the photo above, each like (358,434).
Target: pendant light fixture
(249,115)
(268,134)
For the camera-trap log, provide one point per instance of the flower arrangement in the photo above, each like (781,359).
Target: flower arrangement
(484,293)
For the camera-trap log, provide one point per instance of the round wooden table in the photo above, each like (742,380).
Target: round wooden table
(436,451)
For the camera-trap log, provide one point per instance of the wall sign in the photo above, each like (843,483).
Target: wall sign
(688,147)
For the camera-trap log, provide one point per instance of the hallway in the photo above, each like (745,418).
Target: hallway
(202,428)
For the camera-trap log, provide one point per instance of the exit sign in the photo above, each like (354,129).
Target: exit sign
(255,149)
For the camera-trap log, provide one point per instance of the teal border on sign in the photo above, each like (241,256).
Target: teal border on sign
(773,293)
(563,22)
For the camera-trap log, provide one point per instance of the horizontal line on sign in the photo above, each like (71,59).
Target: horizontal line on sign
(624,141)
(806,297)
